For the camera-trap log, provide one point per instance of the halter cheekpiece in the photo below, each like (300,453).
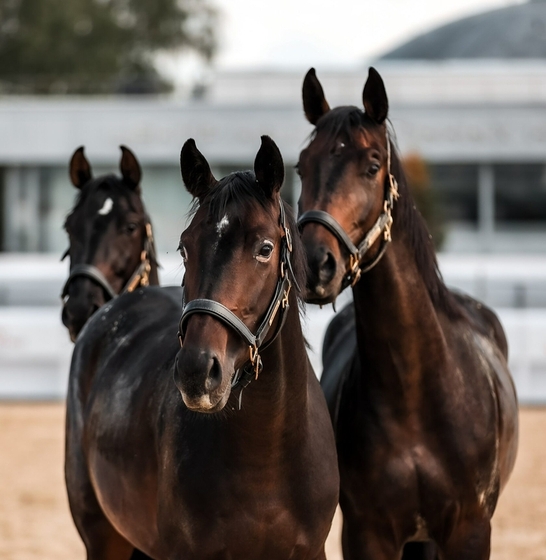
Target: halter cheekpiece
(140,277)
(382,225)
(256,342)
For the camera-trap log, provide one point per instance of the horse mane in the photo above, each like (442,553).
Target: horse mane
(240,188)
(409,219)
(344,121)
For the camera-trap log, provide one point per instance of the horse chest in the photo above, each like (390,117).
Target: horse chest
(259,530)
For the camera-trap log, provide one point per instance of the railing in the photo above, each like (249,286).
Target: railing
(35,349)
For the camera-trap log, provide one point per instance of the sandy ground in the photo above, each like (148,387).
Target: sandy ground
(35,523)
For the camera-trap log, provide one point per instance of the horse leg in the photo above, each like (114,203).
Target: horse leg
(358,544)
(101,540)
(471,540)
(420,551)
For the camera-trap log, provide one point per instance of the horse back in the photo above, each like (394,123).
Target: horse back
(484,318)
(339,357)
(120,375)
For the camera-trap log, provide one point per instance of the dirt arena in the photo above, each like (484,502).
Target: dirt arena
(35,523)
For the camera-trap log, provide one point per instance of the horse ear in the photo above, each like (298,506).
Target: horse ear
(130,168)
(195,169)
(269,167)
(374,97)
(80,170)
(314,102)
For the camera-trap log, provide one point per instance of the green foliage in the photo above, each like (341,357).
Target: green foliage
(97,46)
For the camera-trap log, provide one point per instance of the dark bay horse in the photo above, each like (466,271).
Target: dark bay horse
(111,243)
(182,469)
(416,378)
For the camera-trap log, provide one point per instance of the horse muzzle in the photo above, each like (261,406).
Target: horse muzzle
(75,315)
(199,376)
(324,276)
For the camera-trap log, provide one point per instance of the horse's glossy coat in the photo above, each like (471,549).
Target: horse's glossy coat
(145,471)
(416,377)
(108,229)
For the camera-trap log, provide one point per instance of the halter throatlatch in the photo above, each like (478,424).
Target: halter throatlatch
(140,277)
(382,225)
(256,342)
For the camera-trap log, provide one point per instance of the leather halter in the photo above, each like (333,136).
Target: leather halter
(140,277)
(382,225)
(256,342)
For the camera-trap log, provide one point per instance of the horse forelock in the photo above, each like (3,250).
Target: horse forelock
(94,198)
(239,189)
(343,122)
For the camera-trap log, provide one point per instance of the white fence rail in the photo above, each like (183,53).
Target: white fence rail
(35,349)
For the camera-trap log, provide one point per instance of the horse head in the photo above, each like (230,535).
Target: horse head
(347,188)
(236,254)
(111,244)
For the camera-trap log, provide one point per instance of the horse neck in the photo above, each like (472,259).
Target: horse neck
(274,405)
(398,330)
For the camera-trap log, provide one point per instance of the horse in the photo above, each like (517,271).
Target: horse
(416,378)
(111,241)
(216,443)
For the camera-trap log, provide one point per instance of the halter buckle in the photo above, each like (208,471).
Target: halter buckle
(288,236)
(387,234)
(354,266)
(255,360)
(395,194)
(284,302)
(145,280)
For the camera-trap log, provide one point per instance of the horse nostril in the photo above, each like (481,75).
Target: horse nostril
(214,377)
(327,267)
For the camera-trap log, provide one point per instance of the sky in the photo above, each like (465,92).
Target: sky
(342,33)
(298,34)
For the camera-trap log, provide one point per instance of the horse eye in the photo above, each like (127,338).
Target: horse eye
(131,227)
(183,252)
(373,169)
(265,252)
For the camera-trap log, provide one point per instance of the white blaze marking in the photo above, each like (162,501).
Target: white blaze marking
(106,207)
(222,225)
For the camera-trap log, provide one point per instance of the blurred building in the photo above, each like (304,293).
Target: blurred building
(469,98)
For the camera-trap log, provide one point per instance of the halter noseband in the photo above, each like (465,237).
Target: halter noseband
(383,225)
(140,277)
(279,305)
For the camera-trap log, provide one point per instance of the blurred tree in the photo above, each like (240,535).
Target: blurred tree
(97,46)
(418,178)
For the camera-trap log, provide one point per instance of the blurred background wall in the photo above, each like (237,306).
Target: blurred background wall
(468,105)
